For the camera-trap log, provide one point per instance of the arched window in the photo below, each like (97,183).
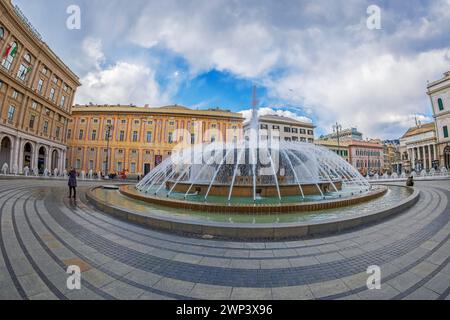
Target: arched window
(27,57)
(2,32)
(440,104)
(10,52)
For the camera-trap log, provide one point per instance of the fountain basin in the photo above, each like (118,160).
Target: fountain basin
(252,208)
(246,190)
(256,226)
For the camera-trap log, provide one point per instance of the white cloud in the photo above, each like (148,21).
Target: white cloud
(279,112)
(121,83)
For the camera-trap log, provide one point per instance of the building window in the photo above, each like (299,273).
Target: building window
(15,94)
(310,132)
(445,129)
(121,135)
(120,151)
(22,72)
(32,119)
(52,94)
(69,133)
(40,85)
(94,135)
(63,101)
(95,120)
(310,140)
(119,166)
(294,130)
(78,164)
(302,131)
(149,122)
(170,138)
(57,132)
(264,126)
(2,32)
(133,167)
(45,127)
(287,139)
(80,135)
(123,121)
(149,136)
(302,139)
(9,53)
(83,120)
(192,138)
(135,136)
(294,138)
(276,127)
(44,70)
(11,111)
(440,104)
(91,164)
(108,121)
(136,121)
(34,105)
(287,129)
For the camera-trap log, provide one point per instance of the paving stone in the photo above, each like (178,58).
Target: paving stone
(292,293)
(210,292)
(122,291)
(251,294)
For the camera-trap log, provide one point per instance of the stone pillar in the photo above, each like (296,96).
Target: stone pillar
(15,154)
(413,159)
(430,164)
(423,158)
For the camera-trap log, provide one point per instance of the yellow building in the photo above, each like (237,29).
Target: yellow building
(36,95)
(141,137)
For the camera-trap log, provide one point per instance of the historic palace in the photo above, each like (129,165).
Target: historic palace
(36,94)
(134,139)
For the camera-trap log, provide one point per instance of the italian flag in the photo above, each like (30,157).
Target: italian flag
(10,51)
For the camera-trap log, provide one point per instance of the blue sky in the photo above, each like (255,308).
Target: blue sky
(312,59)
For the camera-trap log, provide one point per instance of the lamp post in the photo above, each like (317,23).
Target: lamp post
(108,135)
(336,128)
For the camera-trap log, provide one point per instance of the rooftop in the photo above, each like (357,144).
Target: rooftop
(173,109)
(419,129)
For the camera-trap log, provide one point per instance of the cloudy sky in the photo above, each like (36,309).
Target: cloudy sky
(309,59)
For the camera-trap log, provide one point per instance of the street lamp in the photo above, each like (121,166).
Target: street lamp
(108,135)
(336,128)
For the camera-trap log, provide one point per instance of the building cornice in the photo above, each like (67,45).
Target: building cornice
(40,44)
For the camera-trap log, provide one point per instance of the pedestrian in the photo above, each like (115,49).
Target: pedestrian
(410,181)
(72,183)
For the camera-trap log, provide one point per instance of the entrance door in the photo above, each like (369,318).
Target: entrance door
(5,152)
(41,160)
(447,157)
(27,156)
(146,168)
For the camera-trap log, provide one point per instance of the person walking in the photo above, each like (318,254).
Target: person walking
(72,183)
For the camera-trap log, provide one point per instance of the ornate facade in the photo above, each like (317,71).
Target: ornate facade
(439,93)
(141,137)
(36,94)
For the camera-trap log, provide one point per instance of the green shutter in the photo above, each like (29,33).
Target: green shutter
(445,131)
(440,104)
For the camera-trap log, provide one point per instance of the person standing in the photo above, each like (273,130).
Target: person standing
(72,183)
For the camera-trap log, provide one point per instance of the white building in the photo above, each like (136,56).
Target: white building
(439,93)
(287,129)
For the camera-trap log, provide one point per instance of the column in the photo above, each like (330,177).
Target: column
(15,155)
(423,158)
(413,159)
(430,164)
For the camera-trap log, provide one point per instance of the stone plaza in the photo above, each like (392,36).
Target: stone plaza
(43,232)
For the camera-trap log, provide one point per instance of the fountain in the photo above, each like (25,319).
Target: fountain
(99,175)
(90,174)
(271,175)
(15,169)
(46,173)
(252,188)
(26,171)
(55,172)
(36,171)
(65,173)
(83,175)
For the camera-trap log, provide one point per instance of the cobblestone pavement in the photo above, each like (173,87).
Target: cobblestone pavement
(42,232)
